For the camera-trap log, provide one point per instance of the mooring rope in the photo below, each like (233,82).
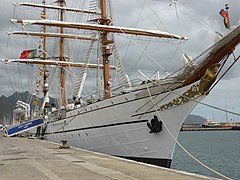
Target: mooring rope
(187,152)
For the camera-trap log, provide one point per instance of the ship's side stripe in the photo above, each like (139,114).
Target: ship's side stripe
(101,126)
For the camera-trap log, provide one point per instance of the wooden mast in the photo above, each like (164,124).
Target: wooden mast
(105,49)
(44,57)
(62,58)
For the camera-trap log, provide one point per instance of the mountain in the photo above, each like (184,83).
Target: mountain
(194,119)
(7,104)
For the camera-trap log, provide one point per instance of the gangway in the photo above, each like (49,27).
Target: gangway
(26,126)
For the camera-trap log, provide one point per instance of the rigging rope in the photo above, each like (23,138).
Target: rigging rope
(20,78)
(132,40)
(174,2)
(29,84)
(13,14)
(196,15)
(158,64)
(139,58)
(135,25)
(235,60)
(11,82)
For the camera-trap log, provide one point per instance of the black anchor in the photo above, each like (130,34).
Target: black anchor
(155,126)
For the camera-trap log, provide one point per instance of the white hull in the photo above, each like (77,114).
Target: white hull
(118,126)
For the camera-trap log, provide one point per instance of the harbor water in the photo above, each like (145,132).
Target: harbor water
(220,150)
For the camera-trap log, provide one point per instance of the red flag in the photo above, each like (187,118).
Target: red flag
(28,54)
(224,14)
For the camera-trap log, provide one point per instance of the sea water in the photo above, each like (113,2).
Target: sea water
(219,150)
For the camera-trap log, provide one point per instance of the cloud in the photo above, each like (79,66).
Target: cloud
(198,20)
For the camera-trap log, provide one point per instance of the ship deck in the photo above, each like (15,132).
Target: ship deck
(23,158)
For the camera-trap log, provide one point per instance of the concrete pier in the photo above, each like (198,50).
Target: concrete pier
(23,159)
(206,129)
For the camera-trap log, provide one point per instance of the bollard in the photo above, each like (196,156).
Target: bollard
(64,144)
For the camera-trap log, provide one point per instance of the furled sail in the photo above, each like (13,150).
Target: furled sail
(55,63)
(98,27)
(56,7)
(41,34)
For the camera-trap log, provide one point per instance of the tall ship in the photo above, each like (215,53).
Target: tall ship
(98,106)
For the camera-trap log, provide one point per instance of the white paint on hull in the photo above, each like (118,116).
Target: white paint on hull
(121,128)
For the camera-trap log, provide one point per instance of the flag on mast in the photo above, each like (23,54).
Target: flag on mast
(224,14)
(28,54)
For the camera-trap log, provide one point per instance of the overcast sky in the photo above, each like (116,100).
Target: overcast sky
(198,20)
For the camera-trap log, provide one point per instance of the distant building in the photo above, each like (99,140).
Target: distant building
(7,119)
